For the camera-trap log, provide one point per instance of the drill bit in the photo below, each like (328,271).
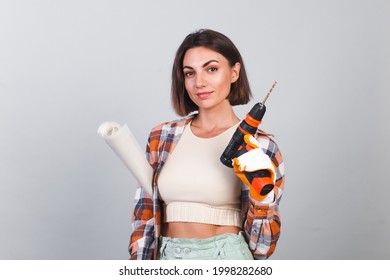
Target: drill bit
(266,97)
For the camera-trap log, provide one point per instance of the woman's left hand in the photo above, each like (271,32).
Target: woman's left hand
(255,169)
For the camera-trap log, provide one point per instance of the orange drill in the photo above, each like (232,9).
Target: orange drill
(247,126)
(259,181)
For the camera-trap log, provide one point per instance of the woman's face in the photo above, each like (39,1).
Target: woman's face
(208,77)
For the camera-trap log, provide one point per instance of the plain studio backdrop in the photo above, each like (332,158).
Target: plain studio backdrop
(68,66)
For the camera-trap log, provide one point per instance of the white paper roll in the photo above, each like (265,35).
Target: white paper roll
(124,144)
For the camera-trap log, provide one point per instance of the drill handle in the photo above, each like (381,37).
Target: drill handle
(247,126)
(231,149)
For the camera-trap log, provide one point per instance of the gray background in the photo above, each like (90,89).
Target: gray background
(68,66)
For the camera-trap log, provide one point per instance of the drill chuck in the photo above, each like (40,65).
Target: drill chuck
(247,126)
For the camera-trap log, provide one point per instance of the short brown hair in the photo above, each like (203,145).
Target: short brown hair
(240,92)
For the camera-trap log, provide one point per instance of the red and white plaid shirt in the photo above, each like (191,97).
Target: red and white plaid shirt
(261,222)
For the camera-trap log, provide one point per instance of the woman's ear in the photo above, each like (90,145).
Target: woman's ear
(235,72)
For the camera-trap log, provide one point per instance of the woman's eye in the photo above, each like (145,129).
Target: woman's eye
(212,69)
(188,74)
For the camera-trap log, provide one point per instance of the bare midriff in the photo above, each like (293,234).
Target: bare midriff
(195,230)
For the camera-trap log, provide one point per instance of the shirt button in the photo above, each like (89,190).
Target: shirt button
(187,251)
(177,250)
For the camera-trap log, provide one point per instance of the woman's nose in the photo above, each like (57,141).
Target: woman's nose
(200,81)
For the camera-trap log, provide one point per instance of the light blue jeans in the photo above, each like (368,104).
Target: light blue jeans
(227,246)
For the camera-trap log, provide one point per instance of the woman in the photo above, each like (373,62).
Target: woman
(200,208)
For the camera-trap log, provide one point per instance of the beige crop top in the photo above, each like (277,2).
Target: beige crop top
(195,186)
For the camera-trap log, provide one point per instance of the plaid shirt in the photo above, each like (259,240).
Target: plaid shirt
(261,221)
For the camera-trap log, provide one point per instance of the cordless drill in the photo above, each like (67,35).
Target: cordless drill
(259,179)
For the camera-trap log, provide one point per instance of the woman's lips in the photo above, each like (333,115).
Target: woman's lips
(203,95)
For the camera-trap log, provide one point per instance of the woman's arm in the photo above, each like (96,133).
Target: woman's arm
(262,225)
(142,242)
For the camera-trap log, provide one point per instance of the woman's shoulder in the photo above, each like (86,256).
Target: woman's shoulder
(261,134)
(268,144)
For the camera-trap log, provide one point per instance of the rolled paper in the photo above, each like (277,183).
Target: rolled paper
(123,143)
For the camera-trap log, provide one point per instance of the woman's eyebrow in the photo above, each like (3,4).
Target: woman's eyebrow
(204,65)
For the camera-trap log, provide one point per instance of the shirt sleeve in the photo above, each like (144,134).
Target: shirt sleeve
(142,241)
(263,223)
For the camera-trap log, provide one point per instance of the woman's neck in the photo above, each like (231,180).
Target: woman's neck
(210,123)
